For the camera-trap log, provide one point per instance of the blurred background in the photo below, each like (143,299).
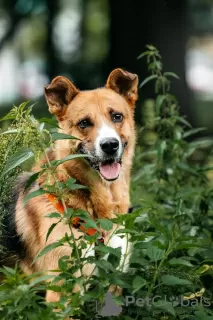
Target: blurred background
(85,39)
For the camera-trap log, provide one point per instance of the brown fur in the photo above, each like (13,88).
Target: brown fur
(104,199)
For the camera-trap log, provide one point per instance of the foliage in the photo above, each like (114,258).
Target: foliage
(176,195)
(21,135)
(170,230)
(19,297)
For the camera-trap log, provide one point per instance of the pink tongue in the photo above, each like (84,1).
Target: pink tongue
(110,171)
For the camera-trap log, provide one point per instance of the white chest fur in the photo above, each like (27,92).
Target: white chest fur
(124,243)
(116,241)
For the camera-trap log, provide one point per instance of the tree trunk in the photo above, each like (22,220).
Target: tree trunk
(161,23)
(52,63)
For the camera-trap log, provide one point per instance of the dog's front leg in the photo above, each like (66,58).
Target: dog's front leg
(123,242)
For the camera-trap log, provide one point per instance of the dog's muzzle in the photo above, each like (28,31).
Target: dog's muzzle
(109,162)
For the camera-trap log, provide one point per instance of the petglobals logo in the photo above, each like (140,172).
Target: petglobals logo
(161,300)
(110,308)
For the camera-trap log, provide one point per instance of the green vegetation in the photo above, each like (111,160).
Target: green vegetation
(171,230)
(19,140)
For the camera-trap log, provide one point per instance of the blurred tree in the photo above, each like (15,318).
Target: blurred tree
(108,34)
(15,18)
(201,19)
(161,23)
(50,49)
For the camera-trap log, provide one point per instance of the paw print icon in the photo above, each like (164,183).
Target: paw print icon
(110,308)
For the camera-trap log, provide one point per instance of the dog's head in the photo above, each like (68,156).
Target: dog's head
(102,119)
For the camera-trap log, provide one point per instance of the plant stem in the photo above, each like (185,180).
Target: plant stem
(168,251)
(65,210)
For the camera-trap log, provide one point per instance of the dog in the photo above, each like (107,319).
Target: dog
(103,121)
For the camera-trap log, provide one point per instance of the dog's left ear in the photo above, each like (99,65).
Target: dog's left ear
(125,84)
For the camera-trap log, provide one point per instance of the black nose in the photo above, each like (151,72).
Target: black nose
(110,146)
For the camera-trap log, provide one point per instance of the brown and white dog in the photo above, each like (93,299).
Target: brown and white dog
(103,120)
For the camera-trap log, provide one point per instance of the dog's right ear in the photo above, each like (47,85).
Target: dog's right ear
(125,84)
(59,93)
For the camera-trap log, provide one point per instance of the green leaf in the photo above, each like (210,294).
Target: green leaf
(151,47)
(15,111)
(19,157)
(84,215)
(48,248)
(32,179)
(10,131)
(193,131)
(180,261)
(7,271)
(105,249)
(23,105)
(153,76)
(90,224)
(5,297)
(204,268)
(68,158)
(143,54)
(54,215)
(123,231)
(61,136)
(188,192)
(171,74)
(185,167)
(154,253)
(159,101)
(165,306)
(105,224)
(205,169)
(170,280)
(34,194)
(138,283)
(40,279)
(187,245)
(54,287)
(183,121)
(69,213)
(113,259)
(70,183)
(78,186)
(105,265)
(10,116)
(203,143)
(51,122)
(119,282)
(50,230)
(33,276)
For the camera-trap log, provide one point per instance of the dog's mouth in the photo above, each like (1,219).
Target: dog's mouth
(108,169)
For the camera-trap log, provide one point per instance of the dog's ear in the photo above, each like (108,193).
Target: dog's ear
(59,93)
(124,83)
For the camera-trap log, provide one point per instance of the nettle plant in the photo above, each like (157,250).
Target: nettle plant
(171,265)
(20,135)
(176,254)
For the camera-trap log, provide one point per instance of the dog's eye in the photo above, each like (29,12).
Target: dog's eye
(85,123)
(117,117)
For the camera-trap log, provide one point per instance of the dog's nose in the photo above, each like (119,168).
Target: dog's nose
(110,146)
